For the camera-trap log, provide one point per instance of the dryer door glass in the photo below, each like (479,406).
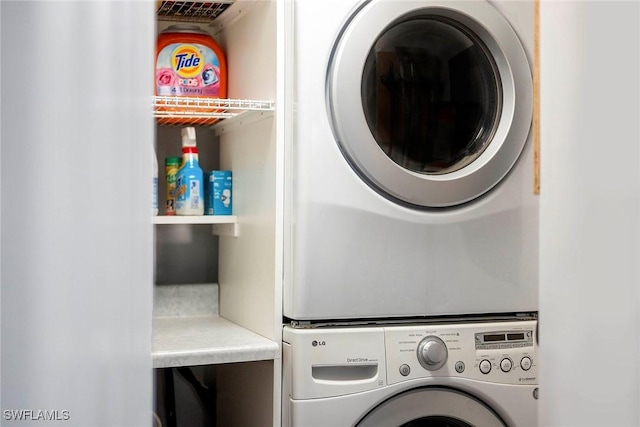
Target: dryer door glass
(431,94)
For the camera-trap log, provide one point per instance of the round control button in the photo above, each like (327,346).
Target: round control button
(506,365)
(525,363)
(432,353)
(485,366)
(405,370)
(460,367)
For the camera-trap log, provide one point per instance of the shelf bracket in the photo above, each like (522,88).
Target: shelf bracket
(227,230)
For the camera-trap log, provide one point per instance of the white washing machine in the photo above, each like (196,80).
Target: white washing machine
(409,159)
(456,375)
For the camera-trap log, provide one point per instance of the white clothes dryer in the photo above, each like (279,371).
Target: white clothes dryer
(409,160)
(436,375)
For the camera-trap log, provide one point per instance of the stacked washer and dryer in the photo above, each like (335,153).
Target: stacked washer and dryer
(411,275)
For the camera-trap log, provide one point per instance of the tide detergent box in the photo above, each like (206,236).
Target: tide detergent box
(218,190)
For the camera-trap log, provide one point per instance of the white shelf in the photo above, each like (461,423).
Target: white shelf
(195,220)
(221,225)
(206,340)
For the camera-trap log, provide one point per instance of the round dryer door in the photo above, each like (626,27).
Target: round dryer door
(432,407)
(430,101)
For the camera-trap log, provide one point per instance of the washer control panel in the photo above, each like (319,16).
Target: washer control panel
(499,352)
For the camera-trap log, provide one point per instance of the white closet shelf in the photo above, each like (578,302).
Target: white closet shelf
(221,225)
(206,340)
(194,220)
(181,111)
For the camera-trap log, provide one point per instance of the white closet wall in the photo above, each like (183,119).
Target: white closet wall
(76,240)
(590,214)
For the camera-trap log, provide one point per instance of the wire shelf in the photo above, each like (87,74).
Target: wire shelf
(172,110)
(191,11)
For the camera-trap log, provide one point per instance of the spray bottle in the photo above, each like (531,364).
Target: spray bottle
(189,179)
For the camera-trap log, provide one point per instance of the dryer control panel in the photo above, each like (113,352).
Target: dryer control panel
(498,352)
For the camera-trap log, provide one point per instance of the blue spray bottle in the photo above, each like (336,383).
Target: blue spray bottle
(189,179)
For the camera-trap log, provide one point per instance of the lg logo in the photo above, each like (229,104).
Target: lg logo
(317,343)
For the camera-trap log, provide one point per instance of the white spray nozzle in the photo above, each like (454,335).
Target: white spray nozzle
(189,137)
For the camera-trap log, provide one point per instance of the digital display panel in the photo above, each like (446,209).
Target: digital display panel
(504,340)
(493,337)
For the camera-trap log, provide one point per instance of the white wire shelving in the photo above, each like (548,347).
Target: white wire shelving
(172,110)
(196,111)
(191,11)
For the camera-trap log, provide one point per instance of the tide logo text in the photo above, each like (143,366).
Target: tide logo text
(187,61)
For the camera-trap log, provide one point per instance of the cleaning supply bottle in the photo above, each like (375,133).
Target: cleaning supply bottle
(171,167)
(189,179)
(189,62)
(155,183)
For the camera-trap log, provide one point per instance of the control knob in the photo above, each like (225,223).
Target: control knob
(432,353)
